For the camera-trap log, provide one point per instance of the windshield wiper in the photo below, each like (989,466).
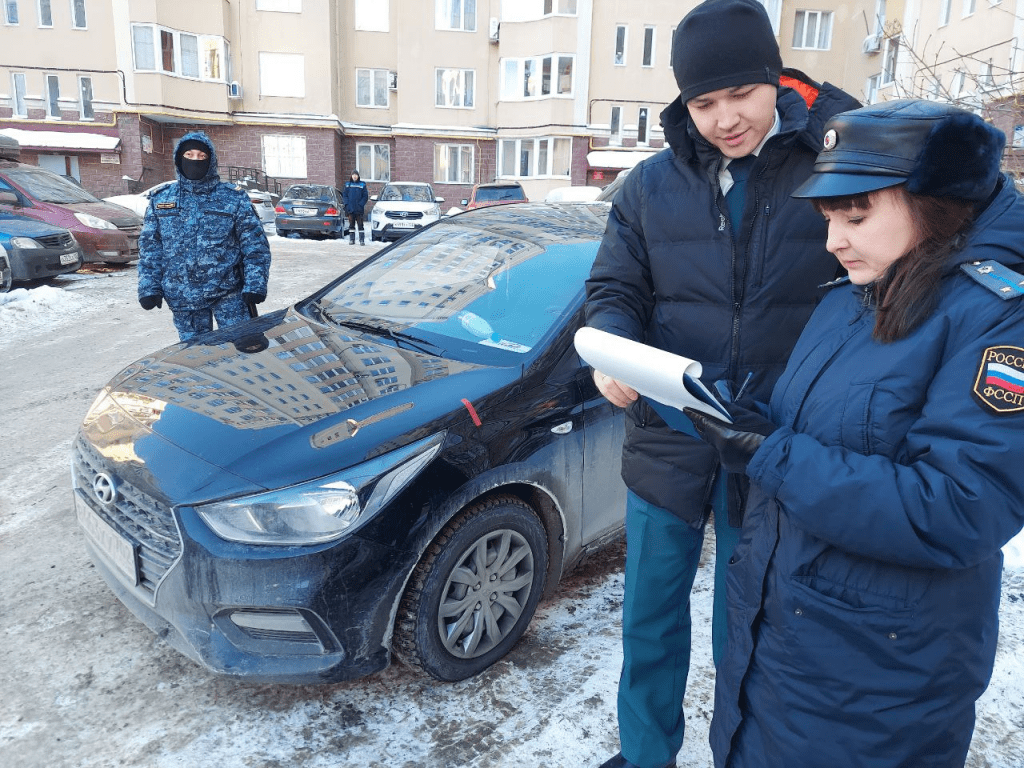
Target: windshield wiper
(398,337)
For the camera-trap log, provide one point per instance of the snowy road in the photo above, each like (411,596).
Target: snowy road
(85,685)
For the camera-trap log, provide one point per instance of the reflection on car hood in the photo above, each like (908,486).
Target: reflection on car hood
(117,215)
(282,399)
(23,226)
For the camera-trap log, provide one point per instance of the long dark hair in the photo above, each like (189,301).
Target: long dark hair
(907,292)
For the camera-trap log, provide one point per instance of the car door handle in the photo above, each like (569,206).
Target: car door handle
(563,429)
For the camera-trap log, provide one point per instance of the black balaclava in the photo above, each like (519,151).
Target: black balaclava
(722,44)
(194,170)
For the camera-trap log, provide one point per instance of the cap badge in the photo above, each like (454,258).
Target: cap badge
(831,139)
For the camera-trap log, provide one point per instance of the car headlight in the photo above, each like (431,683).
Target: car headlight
(94,221)
(24,242)
(435,211)
(321,510)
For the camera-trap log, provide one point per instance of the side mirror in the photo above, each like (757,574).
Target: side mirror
(438,199)
(8,198)
(373,198)
(464,203)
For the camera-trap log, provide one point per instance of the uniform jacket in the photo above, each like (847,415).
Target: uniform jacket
(669,273)
(868,573)
(355,196)
(201,240)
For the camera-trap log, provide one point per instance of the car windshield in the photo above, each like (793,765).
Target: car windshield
(480,293)
(308,192)
(49,187)
(493,194)
(409,193)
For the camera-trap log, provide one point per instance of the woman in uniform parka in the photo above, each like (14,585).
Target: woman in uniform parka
(864,592)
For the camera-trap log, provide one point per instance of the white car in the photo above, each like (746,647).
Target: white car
(262,202)
(403,207)
(572,195)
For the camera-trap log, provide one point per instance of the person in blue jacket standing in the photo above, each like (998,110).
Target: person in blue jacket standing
(885,473)
(355,197)
(202,248)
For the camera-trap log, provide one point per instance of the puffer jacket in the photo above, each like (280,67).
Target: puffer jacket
(355,197)
(864,591)
(201,240)
(670,274)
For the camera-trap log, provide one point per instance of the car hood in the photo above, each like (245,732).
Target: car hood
(23,226)
(392,205)
(117,215)
(280,400)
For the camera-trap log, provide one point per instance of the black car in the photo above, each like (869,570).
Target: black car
(33,250)
(311,210)
(404,462)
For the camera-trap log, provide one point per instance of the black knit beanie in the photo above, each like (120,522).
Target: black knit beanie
(722,44)
(188,144)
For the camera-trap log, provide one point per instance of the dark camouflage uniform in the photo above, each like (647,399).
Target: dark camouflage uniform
(202,246)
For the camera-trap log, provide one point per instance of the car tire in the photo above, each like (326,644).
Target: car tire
(496,548)
(6,275)
(283,233)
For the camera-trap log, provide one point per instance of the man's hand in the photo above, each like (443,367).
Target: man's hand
(615,391)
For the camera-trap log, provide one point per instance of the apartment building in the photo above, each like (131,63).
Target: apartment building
(453,92)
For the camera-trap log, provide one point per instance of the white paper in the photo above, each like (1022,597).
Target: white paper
(654,373)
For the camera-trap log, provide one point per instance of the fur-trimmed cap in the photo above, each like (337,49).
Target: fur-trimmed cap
(935,149)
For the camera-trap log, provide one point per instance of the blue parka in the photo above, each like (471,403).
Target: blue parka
(864,591)
(669,273)
(201,240)
(355,196)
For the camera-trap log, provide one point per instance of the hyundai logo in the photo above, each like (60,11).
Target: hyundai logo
(104,489)
(402,214)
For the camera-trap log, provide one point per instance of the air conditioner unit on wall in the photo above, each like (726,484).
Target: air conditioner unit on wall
(494,30)
(392,81)
(872,44)
(234,90)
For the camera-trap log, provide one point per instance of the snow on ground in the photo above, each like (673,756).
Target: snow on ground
(88,686)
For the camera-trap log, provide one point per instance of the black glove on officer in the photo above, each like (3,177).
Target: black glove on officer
(148,302)
(735,442)
(254,298)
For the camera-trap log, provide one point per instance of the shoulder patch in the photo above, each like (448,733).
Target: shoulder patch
(166,205)
(998,278)
(999,385)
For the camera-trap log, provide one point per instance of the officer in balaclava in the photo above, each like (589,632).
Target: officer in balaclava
(203,247)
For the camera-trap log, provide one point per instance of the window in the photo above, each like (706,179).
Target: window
(535,157)
(455,14)
(372,15)
(813,30)
(189,55)
(52,96)
(774,9)
(1018,136)
(892,50)
(283,74)
(871,89)
(560,7)
(45,15)
(371,88)
(85,92)
(11,11)
(18,87)
(167,50)
(944,12)
(620,45)
(78,14)
(142,42)
(959,81)
(879,25)
(536,77)
(615,126)
(281,6)
(968,7)
(987,78)
(454,87)
(284,156)
(648,60)
(641,126)
(213,54)
(453,163)
(373,161)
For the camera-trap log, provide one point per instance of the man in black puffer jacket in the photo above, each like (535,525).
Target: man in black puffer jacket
(706,255)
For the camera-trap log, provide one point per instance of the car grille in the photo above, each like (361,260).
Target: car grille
(404,215)
(137,516)
(56,241)
(132,231)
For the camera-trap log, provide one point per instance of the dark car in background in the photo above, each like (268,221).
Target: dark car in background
(311,210)
(495,193)
(34,249)
(402,463)
(106,232)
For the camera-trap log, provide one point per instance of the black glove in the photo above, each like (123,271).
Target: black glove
(735,442)
(254,298)
(148,302)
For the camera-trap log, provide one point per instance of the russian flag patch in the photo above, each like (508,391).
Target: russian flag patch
(1000,381)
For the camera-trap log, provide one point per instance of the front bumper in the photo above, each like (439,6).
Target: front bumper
(37,263)
(118,246)
(389,231)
